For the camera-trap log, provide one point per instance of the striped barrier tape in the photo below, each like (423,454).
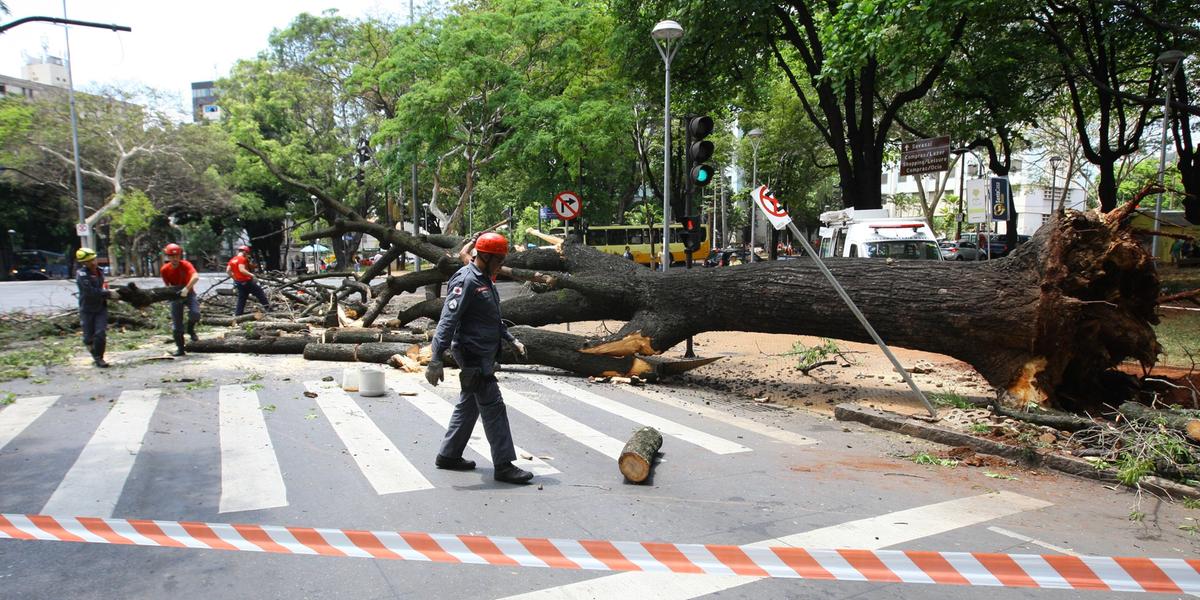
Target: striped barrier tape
(1169,575)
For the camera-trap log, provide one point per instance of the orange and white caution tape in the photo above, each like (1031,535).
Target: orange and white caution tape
(1169,575)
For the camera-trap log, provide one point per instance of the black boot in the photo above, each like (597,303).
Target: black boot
(97,348)
(454,464)
(178,345)
(510,473)
(191,327)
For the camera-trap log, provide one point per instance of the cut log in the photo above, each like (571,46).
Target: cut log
(378,352)
(264,345)
(227,321)
(638,456)
(1186,422)
(143,297)
(363,335)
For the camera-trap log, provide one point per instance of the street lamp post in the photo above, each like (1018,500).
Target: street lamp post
(1054,160)
(86,239)
(755,139)
(962,175)
(1171,59)
(664,33)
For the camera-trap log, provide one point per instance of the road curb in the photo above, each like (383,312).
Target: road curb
(890,421)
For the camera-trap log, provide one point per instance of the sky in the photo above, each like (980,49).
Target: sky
(173,43)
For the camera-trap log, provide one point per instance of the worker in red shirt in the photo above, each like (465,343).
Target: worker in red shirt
(177,271)
(239,268)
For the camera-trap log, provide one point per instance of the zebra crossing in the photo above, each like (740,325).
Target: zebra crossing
(556,413)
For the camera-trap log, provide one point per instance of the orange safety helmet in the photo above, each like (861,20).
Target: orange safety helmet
(244,248)
(173,249)
(492,243)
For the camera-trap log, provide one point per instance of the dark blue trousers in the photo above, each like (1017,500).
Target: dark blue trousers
(95,331)
(193,312)
(244,290)
(480,397)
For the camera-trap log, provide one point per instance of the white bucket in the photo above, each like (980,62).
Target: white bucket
(350,379)
(370,382)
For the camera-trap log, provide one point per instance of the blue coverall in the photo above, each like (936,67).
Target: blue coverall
(471,328)
(93,310)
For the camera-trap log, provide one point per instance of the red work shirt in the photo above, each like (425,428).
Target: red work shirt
(236,273)
(181,275)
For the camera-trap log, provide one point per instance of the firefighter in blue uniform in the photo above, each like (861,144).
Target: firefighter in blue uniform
(93,304)
(470,327)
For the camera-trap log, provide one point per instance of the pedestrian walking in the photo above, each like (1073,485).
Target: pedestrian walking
(628,253)
(1176,251)
(177,271)
(241,270)
(471,329)
(93,304)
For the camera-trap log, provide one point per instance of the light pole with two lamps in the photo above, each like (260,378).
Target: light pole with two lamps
(755,139)
(664,33)
(1171,59)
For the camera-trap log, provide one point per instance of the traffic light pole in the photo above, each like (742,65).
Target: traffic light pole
(861,318)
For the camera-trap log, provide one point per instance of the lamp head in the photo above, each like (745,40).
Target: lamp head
(755,133)
(666,30)
(1054,160)
(1170,57)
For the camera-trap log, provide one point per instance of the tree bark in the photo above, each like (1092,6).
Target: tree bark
(375,352)
(263,345)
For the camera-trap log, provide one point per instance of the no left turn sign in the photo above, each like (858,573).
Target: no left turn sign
(567,205)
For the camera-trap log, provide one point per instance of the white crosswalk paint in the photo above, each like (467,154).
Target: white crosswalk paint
(666,426)
(250,475)
(576,431)
(871,533)
(93,485)
(381,462)
(750,425)
(20,414)
(439,410)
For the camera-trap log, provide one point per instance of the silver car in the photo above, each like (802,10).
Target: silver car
(960,250)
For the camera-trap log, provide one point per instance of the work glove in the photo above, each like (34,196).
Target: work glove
(433,372)
(183,293)
(520,348)
(112,294)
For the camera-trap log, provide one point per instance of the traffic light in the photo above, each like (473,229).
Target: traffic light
(698,151)
(693,234)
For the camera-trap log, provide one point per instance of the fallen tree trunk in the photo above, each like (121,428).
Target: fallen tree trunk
(378,353)
(1044,324)
(1183,422)
(339,335)
(263,345)
(638,455)
(143,297)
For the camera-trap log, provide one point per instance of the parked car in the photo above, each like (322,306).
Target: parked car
(960,250)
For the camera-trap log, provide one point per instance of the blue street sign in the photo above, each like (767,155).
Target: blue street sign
(1000,198)
(548,214)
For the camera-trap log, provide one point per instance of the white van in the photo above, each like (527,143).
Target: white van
(855,233)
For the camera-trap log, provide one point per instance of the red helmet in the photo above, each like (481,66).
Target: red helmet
(173,249)
(244,248)
(492,243)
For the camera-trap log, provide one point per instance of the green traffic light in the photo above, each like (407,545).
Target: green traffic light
(703,176)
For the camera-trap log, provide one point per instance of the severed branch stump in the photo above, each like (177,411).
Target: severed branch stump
(638,455)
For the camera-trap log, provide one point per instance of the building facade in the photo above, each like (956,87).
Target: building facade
(204,102)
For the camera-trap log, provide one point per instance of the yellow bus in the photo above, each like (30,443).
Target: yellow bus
(613,239)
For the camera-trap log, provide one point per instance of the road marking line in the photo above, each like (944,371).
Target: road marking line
(378,458)
(662,561)
(870,533)
(440,410)
(775,433)
(94,483)
(21,414)
(1029,540)
(707,441)
(576,431)
(250,475)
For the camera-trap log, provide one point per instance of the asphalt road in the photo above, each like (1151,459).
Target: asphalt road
(55,294)
(234,439)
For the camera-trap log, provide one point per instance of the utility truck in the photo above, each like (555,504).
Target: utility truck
(854,233)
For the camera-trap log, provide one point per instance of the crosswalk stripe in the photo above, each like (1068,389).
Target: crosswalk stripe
(871,533)
(93,484)
(380,461)
(750,425)
(250,475)
(666,426)
(20,414)
(576,431)
(439,410)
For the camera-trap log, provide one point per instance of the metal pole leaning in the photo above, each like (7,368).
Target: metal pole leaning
(862,319)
